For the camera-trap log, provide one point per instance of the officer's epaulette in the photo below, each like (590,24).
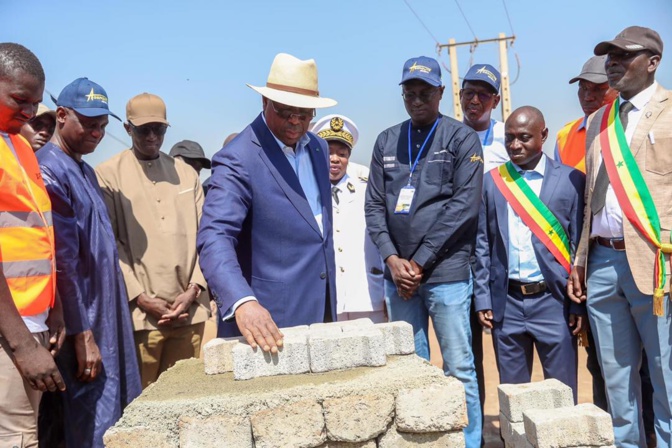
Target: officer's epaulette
(364,179)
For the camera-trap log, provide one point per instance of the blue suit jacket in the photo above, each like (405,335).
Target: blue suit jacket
(562,192)
(258,236)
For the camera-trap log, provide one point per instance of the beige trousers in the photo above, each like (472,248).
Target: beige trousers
(159,350)
(19,403)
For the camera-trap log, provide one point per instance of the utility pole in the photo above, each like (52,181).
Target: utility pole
(503,41)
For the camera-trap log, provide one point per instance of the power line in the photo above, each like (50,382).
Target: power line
(465,19)
(421,22)
(508,17)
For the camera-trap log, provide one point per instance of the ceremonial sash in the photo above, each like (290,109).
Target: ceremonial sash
(633,194)
(534,213)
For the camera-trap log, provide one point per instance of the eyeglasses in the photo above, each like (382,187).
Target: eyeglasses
(469,94)
(158,129)
(286,114)
(424,97)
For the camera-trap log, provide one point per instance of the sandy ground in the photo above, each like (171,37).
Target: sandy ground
(491,419)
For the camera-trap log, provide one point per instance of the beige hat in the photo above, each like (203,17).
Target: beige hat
(146,108)
(337,127)
(293,82)
(42,109)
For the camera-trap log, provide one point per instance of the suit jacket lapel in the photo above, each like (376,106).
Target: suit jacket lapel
(549,183)
(321,170)
(281,170)
(648,118)
(502,212)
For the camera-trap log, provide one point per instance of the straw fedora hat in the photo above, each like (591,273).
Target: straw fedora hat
(293,82)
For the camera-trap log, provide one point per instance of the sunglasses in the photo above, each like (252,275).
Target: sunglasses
(158,129)
(301,115)
(425,97)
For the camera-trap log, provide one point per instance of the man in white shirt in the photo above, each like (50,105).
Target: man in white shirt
(479,96)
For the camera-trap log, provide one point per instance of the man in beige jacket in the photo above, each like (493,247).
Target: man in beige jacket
(155,204)
(615,255)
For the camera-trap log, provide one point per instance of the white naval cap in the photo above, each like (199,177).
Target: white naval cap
(337,127)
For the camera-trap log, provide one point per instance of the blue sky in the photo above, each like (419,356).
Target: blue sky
(198,55)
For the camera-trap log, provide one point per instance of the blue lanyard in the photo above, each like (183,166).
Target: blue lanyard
(417,158)
(487,134)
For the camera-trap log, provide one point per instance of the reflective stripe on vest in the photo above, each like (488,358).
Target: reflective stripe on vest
(24,219)
(572,145)
(27,248)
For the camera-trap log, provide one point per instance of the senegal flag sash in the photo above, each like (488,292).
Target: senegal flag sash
(633,194)
(533,212)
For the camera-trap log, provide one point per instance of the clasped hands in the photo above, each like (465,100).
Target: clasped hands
(406,275)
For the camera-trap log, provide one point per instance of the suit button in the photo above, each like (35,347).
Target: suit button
(342,270)
(340,249)
(323,275)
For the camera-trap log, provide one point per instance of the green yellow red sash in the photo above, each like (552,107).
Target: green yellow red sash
(534,213)
(633,194)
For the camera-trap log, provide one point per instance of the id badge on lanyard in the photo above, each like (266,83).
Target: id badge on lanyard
(407,192)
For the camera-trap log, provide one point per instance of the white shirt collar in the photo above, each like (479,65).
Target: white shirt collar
(642,98)
(540,168)
(341,183)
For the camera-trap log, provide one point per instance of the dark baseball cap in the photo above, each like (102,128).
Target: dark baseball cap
(190,150)
(485,73)
(633,38)
(423,68)
(593,70)
(84,97)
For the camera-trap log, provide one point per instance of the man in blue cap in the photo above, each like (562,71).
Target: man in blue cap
(479,96)
(97,361)
(422,214)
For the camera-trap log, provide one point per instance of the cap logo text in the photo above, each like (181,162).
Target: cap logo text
(92,96)
(488,73)
(634,47)
(422,68)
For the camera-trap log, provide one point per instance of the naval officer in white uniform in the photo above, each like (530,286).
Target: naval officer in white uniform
(359,268)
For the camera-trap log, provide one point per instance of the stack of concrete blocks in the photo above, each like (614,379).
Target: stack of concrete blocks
(406,403)
(317,349)
(543,415)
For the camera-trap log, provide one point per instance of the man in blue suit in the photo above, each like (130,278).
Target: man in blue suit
(529,226)
(265,241)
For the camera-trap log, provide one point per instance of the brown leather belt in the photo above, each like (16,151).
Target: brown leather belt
(527,289)
(614,243)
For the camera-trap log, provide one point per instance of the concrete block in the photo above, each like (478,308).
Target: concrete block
(357,418)
(336,351)
(547,394)
(299,424)
(512,433)
(216,431)
(419,411)
(297,329)
(135,437)
(291,359)
(394,439)
(217,356)
(367,444)
(399,338)
(364,322)
(585,424)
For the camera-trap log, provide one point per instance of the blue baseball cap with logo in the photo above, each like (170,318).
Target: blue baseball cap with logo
(85,97)
(422,68)
(485,73)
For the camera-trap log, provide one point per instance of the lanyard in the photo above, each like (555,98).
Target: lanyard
(417,158)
